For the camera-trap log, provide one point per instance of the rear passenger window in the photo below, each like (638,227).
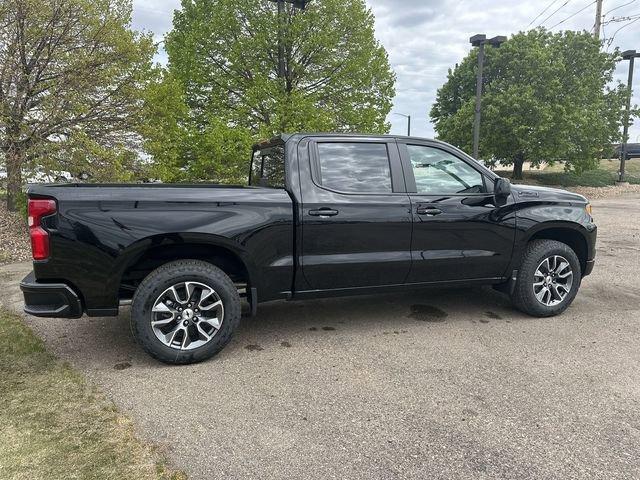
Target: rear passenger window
(355,167)
(267,168)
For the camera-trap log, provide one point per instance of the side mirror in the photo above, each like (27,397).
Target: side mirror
(502,187)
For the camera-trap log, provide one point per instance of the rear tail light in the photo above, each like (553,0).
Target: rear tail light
(39,208)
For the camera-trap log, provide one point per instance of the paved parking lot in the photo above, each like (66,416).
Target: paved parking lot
(432,384)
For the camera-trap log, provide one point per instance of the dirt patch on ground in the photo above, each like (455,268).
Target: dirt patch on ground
(14,238)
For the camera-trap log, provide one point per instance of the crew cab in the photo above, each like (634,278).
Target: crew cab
(322,215)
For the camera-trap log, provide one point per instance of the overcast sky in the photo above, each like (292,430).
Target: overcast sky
(426,37)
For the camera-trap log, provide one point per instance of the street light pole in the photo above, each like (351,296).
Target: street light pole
(408,117)
(281,72)
(480,40)
(301,4)
(478,110)
(630,55)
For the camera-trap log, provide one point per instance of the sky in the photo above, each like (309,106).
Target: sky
(424,38)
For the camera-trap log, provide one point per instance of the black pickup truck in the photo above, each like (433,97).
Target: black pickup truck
(323,215)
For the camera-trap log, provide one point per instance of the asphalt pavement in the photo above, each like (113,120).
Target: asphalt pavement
(436,384)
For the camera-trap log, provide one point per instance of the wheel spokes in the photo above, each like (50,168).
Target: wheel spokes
(170,337)
(179,315)
(161,308)
(552,280)
(162,322)
(214,322)
(176,296)
(206,308)
(202,332)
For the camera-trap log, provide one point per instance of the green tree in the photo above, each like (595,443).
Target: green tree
(72,77)
(547,98)
(183,148)
(223,82)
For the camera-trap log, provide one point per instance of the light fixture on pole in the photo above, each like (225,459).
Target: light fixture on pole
(480,40)
(408,117)
(301,4)
(630,55)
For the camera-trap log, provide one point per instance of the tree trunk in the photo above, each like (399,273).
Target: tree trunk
(15,158)
(518,162)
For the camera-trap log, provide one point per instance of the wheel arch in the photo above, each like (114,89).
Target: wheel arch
(144,256)
(567,233)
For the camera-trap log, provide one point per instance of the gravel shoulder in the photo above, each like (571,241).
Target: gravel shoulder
(595,193)
(439,384)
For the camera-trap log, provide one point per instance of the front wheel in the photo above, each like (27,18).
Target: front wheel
(185,312)
(548,279)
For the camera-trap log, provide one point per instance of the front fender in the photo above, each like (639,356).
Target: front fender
(547,220)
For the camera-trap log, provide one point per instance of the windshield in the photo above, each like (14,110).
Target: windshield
(267,167)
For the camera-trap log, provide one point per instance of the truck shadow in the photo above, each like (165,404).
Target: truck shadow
(100,343)
(372,314)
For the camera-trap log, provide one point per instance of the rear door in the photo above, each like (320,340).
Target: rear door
(356,215)
(459,232)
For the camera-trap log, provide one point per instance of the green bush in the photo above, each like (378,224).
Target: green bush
(589,178)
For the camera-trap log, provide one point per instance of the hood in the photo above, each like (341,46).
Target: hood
(523,192)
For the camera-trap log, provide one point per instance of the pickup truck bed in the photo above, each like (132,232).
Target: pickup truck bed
(104,236)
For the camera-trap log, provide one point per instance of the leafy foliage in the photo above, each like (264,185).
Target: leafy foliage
(184,150)
(546,99)
(222,83)
(72,74)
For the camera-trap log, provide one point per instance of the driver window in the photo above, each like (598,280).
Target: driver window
(438,172)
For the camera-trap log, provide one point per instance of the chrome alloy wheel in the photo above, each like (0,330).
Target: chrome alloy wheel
(552,280)
(187,315)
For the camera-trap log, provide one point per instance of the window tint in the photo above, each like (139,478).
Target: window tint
(439,172)
(355,167)
(267,167)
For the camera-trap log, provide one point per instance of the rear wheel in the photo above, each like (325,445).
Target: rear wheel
(548,279)
(185,312)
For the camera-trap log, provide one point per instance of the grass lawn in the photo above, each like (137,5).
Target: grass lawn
(605,175)
(55,426)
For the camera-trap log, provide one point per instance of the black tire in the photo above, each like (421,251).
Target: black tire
(523,296)
(163,278)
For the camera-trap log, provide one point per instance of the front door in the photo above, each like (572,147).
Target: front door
(459,233)
(356,220)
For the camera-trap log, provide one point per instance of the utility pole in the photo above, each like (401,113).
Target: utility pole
(598,25)
(480,40)
(630,55)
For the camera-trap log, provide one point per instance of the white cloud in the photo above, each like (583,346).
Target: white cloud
(426,37)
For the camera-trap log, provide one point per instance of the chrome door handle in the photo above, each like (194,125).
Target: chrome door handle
(430,211)
(323,212)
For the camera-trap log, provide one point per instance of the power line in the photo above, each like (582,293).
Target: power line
(621,19)
(619,6)
(571,16)
(542,12)
(554,12)
(610,40)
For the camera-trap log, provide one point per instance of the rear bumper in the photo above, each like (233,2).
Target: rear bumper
(53,300)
